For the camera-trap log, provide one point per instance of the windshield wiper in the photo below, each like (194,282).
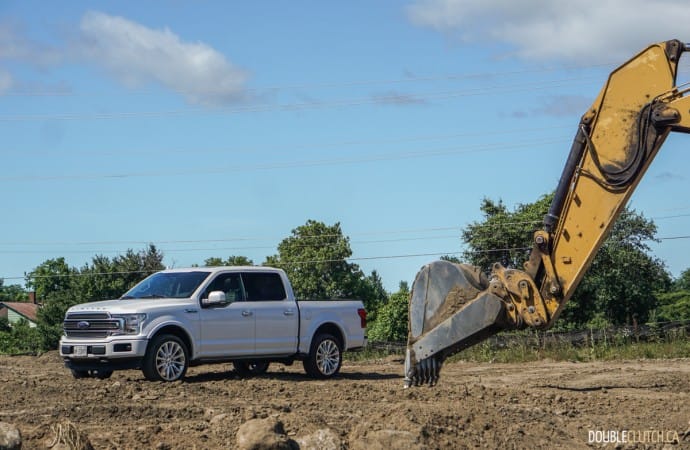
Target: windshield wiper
(152,296)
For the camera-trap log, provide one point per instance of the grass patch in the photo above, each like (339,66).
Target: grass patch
(529,345)
(600,351)
(371,354)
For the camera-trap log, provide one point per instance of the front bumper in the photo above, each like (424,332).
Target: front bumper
(80,351)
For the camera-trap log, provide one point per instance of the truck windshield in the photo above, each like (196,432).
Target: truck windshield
(167,285)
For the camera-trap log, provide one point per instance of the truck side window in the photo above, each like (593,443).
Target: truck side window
(230,283)
(263,286)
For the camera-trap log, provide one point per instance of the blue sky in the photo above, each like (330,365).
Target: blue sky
(214,128)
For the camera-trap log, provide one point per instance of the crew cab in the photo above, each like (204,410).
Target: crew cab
(180,317)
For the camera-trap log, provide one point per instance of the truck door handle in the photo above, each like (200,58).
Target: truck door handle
(247,313)
(288,312)
(190,310)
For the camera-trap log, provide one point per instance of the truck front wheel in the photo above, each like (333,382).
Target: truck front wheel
(325,357)
(166,359)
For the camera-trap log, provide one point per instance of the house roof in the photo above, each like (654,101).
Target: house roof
(28,310)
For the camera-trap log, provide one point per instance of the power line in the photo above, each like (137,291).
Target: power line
(243,238)
(316,145)
(671,217)
(351,83)
(443,95)
(281,264)
(266,238)
(460,228)
(216,249)
(85,274)
(387,232)
(291,164)
(317,261)
(670,238)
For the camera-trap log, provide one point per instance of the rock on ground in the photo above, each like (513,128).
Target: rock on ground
(323,439)
(263,434)
(10,437)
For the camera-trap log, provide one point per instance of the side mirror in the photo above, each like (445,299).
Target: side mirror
(214,298)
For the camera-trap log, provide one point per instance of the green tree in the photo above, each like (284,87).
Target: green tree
(52,314)
(4,325)
(21,339)
(673,306)
(12,292)
(51,276)
(682,283)
(108,278)
(315,257)
(59,286)
(451,258)
(230,261)
(621,283)
(392,318)
(373,294)
(503,236)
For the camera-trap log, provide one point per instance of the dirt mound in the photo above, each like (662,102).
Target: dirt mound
(537,405)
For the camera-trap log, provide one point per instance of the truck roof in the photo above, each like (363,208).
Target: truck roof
(216,269)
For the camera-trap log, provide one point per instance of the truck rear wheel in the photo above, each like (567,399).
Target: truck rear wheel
(166,359)
(250,368)
(325,357)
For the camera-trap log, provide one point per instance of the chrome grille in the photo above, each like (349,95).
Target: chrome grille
(88,316)
(91,325)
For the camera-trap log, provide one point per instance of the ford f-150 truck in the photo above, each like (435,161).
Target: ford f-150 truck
(180,317)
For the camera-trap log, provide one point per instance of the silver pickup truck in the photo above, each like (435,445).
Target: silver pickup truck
(176,318)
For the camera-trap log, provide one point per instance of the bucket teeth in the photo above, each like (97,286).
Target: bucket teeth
(426,371)
(450,309)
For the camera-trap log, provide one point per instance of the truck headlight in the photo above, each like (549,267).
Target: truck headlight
(131,322)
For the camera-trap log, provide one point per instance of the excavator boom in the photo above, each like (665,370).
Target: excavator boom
(454,306)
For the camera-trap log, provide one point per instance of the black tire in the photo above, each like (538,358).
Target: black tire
(325,357)
(247,369)
(166,359)
(101,374)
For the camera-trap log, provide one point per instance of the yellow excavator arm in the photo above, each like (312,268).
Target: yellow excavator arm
(454,306)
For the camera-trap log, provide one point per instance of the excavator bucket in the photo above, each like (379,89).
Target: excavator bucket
(450,309)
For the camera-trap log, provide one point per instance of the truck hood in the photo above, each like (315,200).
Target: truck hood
(132,305)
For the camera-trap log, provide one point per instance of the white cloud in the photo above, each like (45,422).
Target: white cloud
(14,45)
(563,105)
(669,176)
(132,53)
(135,55)
(398,98)
(6,81)
(578,31)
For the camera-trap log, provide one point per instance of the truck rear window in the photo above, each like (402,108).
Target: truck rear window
(263,286)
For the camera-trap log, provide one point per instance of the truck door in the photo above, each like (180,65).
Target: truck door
(227,329)
(277,317)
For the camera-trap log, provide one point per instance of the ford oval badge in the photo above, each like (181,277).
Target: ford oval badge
(83,325)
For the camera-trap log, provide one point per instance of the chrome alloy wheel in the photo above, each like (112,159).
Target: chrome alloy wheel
(327,357)
(170,361)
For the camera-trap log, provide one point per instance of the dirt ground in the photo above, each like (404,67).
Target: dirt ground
(639,404)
